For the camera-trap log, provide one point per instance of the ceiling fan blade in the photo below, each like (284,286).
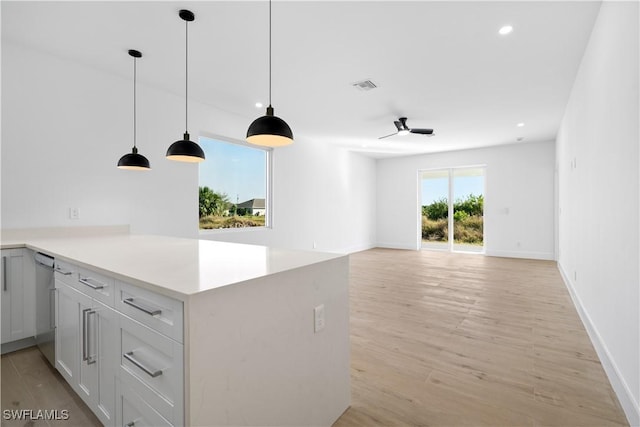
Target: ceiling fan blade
(387,136)
(398,125)
(422,131)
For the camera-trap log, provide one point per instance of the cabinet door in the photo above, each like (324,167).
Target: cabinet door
(75,350)
(87,379)
(67,332)
(134,411)
(5,297)
(107,352)
(13,325)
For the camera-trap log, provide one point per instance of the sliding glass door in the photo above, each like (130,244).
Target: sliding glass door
(452,208)
(435,209)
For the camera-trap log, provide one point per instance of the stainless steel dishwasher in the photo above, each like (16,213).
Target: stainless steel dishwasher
(45,306)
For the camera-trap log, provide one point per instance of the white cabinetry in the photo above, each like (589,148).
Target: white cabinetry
(86,351)
(125,362)
(17,295)
(151,358)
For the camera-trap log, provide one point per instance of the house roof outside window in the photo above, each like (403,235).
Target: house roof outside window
(252,204)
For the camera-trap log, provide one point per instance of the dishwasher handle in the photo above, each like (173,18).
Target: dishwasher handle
(44,260)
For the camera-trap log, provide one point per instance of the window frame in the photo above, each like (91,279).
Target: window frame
(268,221)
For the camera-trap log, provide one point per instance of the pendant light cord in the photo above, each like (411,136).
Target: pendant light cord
(186,76)
(134,102)
(269,53)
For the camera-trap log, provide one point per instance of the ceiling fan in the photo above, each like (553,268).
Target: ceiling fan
(403,129)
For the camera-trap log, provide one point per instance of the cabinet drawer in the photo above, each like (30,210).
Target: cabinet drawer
(66,273)
(95,285)
(159,312)
(152,365)
(134,411)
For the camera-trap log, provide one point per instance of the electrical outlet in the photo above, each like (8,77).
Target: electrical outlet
(318,318)
(74,213)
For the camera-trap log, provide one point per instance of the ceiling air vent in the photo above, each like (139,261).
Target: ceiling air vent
(365,85)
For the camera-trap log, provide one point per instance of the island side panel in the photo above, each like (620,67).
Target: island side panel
(254,358)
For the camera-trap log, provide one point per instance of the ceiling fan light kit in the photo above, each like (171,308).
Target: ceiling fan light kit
(134,160)
(269,130)
(185,150)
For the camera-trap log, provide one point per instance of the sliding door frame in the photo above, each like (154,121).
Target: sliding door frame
(450,219)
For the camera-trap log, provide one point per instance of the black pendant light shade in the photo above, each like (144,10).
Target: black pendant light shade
(186,150)
(133,160)
(269,130)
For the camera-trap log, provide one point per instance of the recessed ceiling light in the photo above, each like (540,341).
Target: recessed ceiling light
(259,105)
(520,124)
(505,30)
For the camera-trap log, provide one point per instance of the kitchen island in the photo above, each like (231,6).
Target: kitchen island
(255,335)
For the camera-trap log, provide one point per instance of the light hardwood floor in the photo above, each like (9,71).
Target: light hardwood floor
(467,340)
(436,339)
(29,382)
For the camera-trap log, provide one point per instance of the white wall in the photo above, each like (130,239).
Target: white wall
(519,198)
(65,125)
(325,195)
(598,159)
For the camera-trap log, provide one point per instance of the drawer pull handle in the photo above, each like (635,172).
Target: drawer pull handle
(52,308)
(85,335)
(151,372)
(63,271)
(130,424)
(151,311)
(92,283)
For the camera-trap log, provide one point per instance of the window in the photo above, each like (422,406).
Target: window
(233,185)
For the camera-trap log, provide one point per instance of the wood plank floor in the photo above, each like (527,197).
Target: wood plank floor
(436,339)
(30,382)
(467,340)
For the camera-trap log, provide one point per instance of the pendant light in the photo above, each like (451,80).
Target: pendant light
(186,150)
(269,130)
(133,160)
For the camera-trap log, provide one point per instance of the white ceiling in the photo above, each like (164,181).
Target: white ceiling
(441,64)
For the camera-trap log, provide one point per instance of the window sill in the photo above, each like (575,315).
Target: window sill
(211,231)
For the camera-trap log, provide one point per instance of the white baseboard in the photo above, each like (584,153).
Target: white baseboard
(395,246)
(527,255)
(358,248)
(629,405)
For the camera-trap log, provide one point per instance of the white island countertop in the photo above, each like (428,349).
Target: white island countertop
(176,267)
